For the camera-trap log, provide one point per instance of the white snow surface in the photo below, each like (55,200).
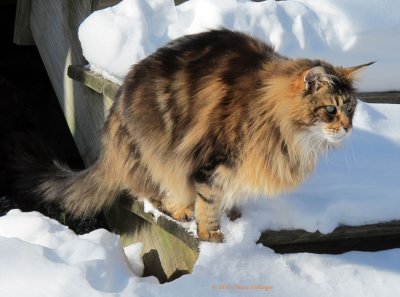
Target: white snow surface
(40,257)
(342,32)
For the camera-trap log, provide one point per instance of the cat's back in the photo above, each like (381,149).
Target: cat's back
(219,41)
(213,49)
(193,82)
(201,53)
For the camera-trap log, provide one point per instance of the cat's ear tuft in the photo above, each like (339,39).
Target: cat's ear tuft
(313,78)
(350,71)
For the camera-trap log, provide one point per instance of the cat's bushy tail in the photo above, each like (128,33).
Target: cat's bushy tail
(81,193)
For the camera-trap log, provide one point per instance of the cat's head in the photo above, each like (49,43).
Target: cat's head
(331,100)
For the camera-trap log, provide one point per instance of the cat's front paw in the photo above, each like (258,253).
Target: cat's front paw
(211,235)
(183,214)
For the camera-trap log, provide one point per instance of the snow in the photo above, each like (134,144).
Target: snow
(40,257)
(354,185)
(342,32)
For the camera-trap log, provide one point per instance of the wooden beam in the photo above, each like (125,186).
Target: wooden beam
(178,2)
(169,249)
(94,81)
(380,97)
(343,239)
(54,26)
(22,27)
(83,74)
(100,84)
(164,222)
(101,4)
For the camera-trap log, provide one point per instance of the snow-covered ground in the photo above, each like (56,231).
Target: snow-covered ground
(40,257)
(354,185)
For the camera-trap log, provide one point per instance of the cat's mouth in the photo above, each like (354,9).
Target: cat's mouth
(335,136)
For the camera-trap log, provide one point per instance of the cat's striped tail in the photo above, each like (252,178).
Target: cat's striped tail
(81,193)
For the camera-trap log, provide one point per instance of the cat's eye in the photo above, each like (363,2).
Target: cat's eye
(331,109)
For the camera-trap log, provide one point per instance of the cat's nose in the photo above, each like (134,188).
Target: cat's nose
(346,124)
(347,128)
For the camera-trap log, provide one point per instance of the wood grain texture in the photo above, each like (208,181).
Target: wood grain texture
(101,4)
(83,74)
(54,25)
(169,250)
(22,28)
(343,239)
(381,97)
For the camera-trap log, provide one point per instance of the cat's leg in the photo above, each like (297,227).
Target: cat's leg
(176,209)
(208,212)
(234,213)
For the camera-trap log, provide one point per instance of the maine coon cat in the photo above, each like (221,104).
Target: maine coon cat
(207,121)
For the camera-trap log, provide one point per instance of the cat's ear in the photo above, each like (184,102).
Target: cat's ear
(313,78)
(350,71)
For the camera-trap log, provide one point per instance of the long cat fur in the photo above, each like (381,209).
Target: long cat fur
(207,121)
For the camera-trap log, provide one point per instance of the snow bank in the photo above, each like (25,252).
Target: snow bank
(117,37)
(342,32)
(40,257)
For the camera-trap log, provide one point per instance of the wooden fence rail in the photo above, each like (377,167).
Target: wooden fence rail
(109,89)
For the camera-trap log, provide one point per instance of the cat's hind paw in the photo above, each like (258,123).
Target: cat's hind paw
(211,236)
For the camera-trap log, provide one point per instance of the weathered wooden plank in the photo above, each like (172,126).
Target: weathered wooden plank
(164,222)
(110,89)
(84,75)
(100,4)
(89,79)
(54,26)
(169,250)
(343,239)
(22,29)
(177,2)
(381,97)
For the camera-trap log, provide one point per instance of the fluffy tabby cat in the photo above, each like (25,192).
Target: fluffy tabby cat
(206,121)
